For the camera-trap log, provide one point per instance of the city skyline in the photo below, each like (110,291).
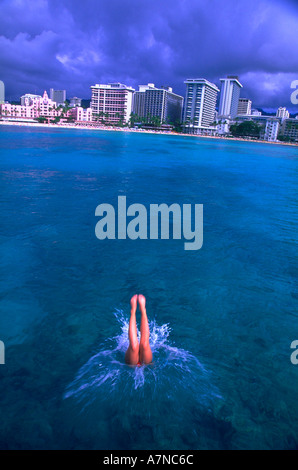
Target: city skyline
(246,102)
(51,44)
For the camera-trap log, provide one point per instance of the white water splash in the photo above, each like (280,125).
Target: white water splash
(106,375)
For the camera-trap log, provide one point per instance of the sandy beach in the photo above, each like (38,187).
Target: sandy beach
(142,131)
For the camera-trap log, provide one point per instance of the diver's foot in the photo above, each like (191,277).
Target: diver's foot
(134,302)
(142,302)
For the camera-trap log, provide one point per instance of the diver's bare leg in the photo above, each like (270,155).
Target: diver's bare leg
(132,353)
(145,350)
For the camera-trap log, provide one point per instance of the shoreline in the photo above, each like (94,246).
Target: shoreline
(140,131)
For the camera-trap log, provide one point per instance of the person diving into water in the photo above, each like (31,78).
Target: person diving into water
(136,353)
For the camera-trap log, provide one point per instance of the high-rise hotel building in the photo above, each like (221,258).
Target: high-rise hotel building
(139,99)
(158,102)
(112,102)
(272,129)
(59,96)
(229,97)
(200,103)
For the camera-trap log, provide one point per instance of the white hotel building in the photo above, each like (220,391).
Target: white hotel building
(28,99)
(200,103)
(229,97)
(244,107)
(271,130)
(112,102)
(282,113)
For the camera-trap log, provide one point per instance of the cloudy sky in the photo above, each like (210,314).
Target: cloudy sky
(73,44)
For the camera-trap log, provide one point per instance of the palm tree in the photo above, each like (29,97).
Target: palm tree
(101,116)
(134,118)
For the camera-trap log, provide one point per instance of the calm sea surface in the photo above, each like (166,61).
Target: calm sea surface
(222,318)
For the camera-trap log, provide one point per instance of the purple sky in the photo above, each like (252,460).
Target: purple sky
(73,44)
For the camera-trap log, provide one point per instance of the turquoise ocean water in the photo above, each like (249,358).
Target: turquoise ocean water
(222,318)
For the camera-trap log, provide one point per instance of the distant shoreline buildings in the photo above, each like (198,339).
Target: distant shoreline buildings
(32,107)
(116,104)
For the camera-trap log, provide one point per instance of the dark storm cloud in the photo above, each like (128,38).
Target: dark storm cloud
(73,44)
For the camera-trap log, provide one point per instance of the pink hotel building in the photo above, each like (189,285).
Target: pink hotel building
(80,114)
(33,108)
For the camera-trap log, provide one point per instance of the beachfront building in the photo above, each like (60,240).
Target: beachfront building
(2,92)
(271,130)
(229,97)
(223,127)
(151,102)
(289,129)
(46,107)
(282,113)
(138,107)
(28,98)
(40,106)
(199,107)
(244,107)
(112,103)
(80,114)
(259,119)
(13,112)
(58,96)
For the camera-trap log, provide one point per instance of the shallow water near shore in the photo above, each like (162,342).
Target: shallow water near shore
(222,318)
